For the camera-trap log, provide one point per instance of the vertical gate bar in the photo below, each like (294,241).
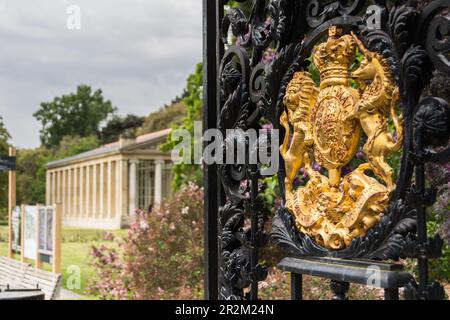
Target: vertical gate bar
(220,194)
(391,294)
(296,286)
(421,223)
(254,229)
(211,205)
(220,50)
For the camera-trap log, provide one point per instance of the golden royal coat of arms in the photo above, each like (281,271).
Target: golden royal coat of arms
(324,124)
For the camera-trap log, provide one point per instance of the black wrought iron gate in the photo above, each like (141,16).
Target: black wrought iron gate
(242,90)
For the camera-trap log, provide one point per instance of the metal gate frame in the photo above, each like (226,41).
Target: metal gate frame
(419,43)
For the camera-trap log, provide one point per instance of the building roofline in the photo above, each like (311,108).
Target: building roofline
(113,148)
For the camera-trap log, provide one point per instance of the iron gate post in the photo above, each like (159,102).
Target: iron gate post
(213,198)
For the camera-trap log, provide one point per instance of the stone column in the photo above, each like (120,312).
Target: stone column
(76,180)
(122,188)
(132,198)
(94,191)
(118,188)
(53,196)
(64,193)
(48,188)
(70,194)
(158,181)
(88,191)
(58,187)
(109,183)
(82,191)
(102,190)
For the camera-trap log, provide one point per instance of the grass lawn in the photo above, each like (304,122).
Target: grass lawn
(75,251)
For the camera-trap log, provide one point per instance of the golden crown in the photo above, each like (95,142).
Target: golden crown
(334,57)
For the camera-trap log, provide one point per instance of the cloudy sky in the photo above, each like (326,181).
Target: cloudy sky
(139,52)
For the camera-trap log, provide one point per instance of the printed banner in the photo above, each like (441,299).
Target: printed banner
(7,164)
(16,225)
(30,250)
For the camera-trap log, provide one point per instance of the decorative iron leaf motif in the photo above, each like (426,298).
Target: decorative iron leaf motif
(414,42)
(415,71)
(234,266)
(401,23)
(438,44)
(280,22)
(237,21)
(433,120)
(387,240)
(279,73)
(318,13)
(287,21)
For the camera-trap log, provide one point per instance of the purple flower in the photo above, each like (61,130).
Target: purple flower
(316,167)
(268,56)
(346,170)
(360,154)
(303,173)
(267,126)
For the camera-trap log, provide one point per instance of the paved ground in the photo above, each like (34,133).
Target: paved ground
(68,295)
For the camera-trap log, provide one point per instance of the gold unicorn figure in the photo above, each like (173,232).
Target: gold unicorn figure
(378,101)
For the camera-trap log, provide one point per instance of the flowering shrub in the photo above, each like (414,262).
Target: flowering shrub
(161,257)
(439,176)
(439,222)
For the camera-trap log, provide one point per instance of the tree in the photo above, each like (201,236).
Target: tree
(71,146)
(118,126)
(77,114)
(246,6)
(31,166)
(31,175)
(168,116)
(4,138)
(187,172)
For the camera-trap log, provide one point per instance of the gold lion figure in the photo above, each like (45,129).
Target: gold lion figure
(301,94)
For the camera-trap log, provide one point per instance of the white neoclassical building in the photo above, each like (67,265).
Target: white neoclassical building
(102,188)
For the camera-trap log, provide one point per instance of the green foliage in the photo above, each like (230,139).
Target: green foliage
(4,146)
(77,114)
(70,146)
(270,192)
(246,6)
(161,256)
(184,173)
(312,69)
(71,125)
(31,162)
(118,126)
(79,235)
(4,136)
(166,117)
(31,175)
(439,268)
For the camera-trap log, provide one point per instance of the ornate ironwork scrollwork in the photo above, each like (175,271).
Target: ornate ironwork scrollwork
(318,13)
(409,45)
